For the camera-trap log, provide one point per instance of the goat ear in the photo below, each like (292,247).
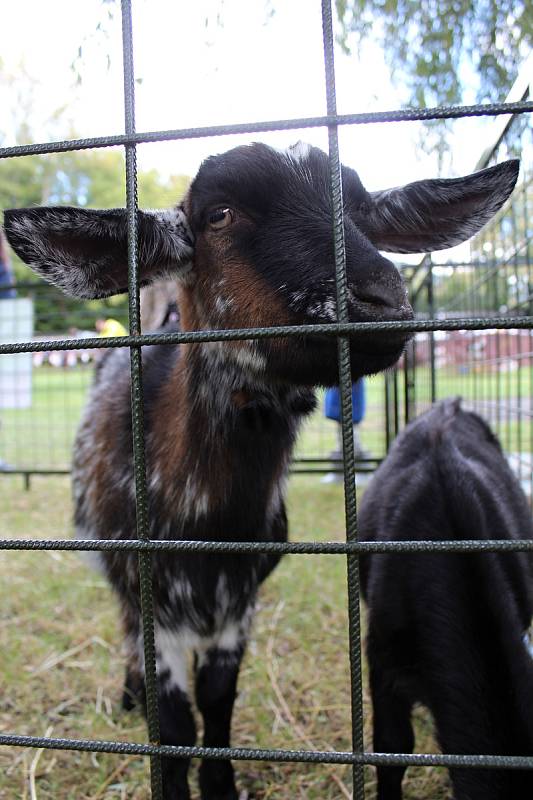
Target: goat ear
(85,252)
(435,214)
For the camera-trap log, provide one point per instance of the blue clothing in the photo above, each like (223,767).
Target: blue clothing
(6,279)
(332,404)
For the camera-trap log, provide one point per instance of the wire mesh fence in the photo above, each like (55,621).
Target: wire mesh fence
(491,368)
(43,392)
(485,343)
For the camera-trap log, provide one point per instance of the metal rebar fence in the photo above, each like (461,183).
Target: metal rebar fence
(491,369)
(478,321)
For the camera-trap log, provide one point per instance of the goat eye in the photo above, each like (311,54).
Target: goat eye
(220,218)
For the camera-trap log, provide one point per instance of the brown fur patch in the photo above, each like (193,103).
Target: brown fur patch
(255,303)
(97,451)
(221,273)
(168,446)
(241,398)
(248,300)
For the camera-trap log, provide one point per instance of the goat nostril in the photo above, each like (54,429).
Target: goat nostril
(374,299)
(382,303)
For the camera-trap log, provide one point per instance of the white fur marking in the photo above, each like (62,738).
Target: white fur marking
(194,500)
(171,653)
(223,304)
(229,637)
(299,151)
(248,358)
(92,558)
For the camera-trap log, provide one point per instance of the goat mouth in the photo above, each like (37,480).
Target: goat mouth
(312,360)
(371,343)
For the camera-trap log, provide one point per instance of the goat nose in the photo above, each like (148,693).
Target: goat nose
(390,296)
(376,286)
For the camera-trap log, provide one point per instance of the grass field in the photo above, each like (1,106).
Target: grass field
(62,662)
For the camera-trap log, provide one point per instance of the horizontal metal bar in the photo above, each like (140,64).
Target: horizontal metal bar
(249,754)
(235,334)
(323,470)
(319,548)
(36,471)
(364,465)
(327,460)
(30,285)
(401,115)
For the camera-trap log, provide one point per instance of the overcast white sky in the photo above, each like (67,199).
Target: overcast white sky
(253,66)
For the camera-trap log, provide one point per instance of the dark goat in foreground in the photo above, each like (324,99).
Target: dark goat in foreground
(447,630)
(251,245)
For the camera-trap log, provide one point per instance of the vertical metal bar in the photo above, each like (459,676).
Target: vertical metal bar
(396,396)
(530,411)
(528,310)
(498,385)
(137,409)
(526,223)
(354,619)
(474,342)
(409,388)
(388,421)
(508,388)
(518,405)
(431,309)
(516,415)
(505,272)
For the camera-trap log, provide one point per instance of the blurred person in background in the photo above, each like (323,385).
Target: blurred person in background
(7,290)
(332,410)
(110,327)
(104,328)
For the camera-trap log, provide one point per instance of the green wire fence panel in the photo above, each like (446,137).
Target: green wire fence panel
(491,369)
(473,337)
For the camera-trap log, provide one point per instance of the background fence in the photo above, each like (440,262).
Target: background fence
(491,368)
(474,337)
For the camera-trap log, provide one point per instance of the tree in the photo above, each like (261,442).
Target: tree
(443,51)
(436,47)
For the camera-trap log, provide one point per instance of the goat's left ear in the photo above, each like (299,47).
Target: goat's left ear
(435,214)
(85,252)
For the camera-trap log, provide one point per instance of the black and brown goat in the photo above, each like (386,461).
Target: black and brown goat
(251,245)
(447,629)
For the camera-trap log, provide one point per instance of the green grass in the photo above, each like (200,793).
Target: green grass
(62,664)
(41,437)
